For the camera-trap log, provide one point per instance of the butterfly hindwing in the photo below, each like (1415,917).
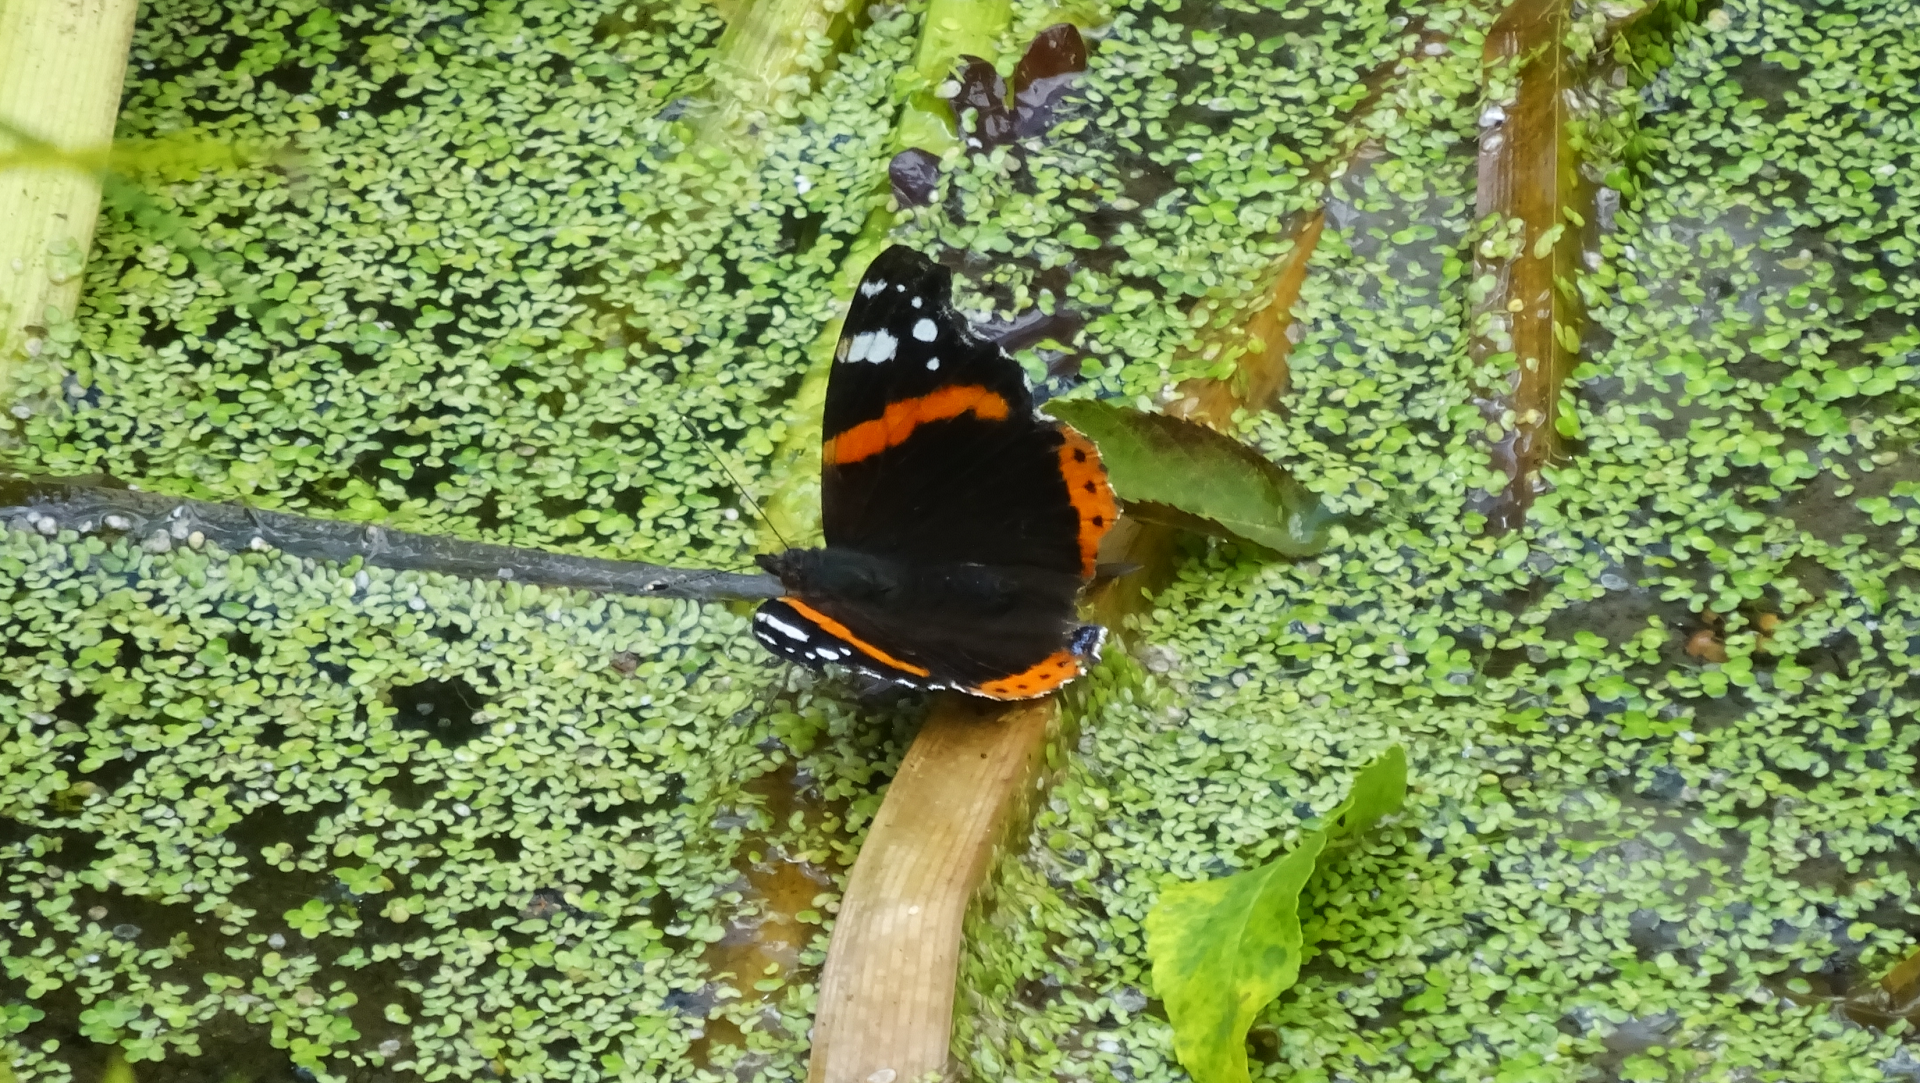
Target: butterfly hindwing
(918,647)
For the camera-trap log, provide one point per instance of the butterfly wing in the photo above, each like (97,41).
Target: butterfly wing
(932,450)
(1005,659)
(959,524)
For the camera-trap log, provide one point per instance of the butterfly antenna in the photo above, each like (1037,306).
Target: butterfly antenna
(742,489)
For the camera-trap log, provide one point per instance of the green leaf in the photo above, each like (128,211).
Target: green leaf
(364,880)
(15,1018)
(1186,475)
(1224,949)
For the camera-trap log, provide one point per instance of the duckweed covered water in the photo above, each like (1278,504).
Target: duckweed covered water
(301,821)
(1620,860)
(271,820)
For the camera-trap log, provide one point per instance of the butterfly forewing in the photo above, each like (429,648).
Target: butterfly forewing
(902,341)
(932,449)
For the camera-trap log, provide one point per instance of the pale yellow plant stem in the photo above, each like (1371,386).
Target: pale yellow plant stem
(62,63)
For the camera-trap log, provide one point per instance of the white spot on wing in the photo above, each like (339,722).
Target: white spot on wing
(932,363)
(862,344)
(798,635)
(879,350)
(871,287)
(926,330)
(916,302)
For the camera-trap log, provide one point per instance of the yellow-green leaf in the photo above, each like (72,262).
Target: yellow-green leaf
(1186,475)
(1224,949)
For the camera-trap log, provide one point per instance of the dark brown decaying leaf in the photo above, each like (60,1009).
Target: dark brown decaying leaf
(1048,69)
(1190,476)
(1055,59)
(983,94)
(915,176)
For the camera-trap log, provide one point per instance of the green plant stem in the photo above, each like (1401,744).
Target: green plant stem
(767,59)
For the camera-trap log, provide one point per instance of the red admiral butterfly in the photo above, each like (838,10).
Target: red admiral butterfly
(960,525)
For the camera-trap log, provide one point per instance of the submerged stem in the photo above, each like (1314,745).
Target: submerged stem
(768,58)
(48,505)
(1532,207)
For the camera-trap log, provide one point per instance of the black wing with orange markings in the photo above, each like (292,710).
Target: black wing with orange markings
(959,524)
(932,450)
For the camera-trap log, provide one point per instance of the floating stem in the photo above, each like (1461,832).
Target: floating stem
(49,505)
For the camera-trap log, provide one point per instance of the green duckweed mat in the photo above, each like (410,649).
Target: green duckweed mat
(1619,860)
(267,820)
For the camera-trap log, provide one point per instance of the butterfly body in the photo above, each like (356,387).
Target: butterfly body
(960,525)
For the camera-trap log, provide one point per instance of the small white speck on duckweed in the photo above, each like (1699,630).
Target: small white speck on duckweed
(272,814)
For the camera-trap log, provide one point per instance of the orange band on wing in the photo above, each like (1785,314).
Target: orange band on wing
(873,437)
(839,631)
(1055,670)
(1091,495)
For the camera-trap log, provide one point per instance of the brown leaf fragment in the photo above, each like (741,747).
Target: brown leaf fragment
(1262,372)
(1261,342)
(1044,75)
(984,95)
(1902,983)
(1706,645)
